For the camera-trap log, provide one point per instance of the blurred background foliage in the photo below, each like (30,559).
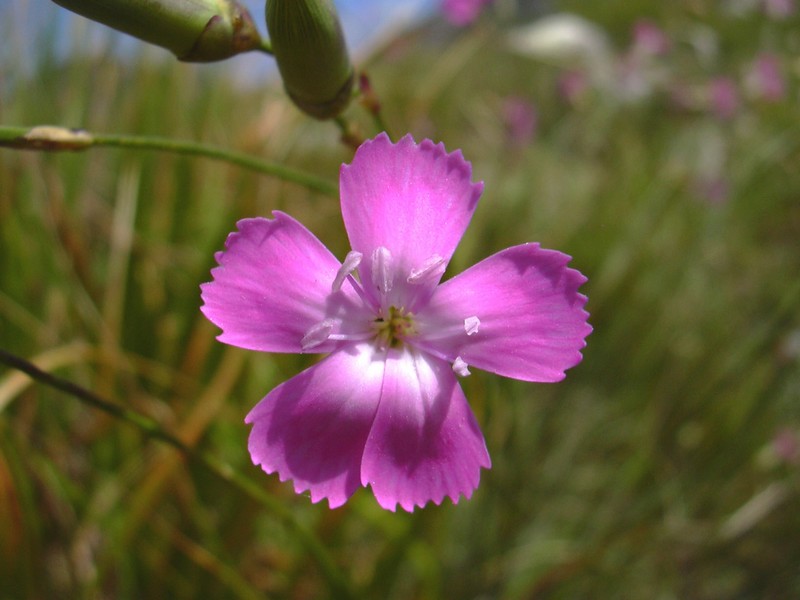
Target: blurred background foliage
(666,465)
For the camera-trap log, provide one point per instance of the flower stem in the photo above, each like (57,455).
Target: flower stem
(370,101)
(52,138)
(339,585)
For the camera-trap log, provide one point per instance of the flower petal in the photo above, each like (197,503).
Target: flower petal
(532,321)
(313,428)
(425,443)
(272,285)
(413,199)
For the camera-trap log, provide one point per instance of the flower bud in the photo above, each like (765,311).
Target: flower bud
(193,30)
(311,53)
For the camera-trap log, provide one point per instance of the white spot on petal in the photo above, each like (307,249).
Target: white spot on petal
(382,274)
(317,334)
(350,264)
(431,269)
(471,325)
(460,367)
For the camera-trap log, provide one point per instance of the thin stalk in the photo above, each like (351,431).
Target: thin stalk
(51,138)
(369,100)
(339,585)
(380,124)
(351,136)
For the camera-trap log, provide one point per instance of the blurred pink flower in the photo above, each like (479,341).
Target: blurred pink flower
(786,445)
(463,12)
(573,85)
(521,120)
(779,9)
(384,408)
(714,190)
(723,97)
(649,38)
(680,95)
(765,79)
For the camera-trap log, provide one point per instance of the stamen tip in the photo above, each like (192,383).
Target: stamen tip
(350,264)
(382,271)
(432,269)
(460,367)
(471,325)
(317,334)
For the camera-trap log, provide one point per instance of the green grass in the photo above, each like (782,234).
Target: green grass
(648,473)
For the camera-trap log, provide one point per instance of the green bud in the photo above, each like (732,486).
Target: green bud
(193,30)
(311,53)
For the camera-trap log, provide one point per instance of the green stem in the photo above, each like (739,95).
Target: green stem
(339,585)
(377,120)
(51,138)
(370,101)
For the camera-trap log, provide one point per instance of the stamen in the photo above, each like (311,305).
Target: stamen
(317,334)
(431,269)
(460,367)
(382,269)
(471,325)
(350,264)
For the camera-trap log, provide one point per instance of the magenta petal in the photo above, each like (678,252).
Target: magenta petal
(415,200)
(313,428)
(463,12)
(425,443)
(532,324)
(273,283)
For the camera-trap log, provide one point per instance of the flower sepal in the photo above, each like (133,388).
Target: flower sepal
(311,52)
(193,30)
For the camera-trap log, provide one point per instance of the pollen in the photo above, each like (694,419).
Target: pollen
(395,328)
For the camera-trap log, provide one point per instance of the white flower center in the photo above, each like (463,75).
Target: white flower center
(394,324)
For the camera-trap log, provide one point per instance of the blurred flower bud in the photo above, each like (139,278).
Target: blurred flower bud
(311,53)
(193,30)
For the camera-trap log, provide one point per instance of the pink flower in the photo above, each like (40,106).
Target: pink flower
(520,119)
(779,9)
(714,190)
(463,12)
(724,97)
(573,86)
(649,38)
(384,408)
(765,79)
(786,445)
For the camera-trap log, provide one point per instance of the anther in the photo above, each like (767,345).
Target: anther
(382,269)
(471,325)
(460,367)
(317,334)
(431,270)
(350,264)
